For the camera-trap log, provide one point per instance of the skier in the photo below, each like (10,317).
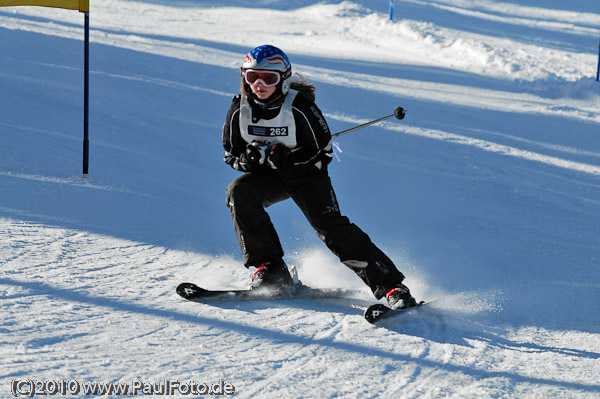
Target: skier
(278,137)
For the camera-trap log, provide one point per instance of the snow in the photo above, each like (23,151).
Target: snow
(487,196)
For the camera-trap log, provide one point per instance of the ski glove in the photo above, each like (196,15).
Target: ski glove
(255,157)
(279,157)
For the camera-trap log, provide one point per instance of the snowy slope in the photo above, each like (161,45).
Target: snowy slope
(487,196)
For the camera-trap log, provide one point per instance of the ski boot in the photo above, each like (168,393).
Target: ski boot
(398,297)
(273,276)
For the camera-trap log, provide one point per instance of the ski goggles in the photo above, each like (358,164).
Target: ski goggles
(268,78)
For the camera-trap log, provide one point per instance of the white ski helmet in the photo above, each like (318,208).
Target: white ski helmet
(267,57)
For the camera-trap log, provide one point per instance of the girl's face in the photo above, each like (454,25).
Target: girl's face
(262,92)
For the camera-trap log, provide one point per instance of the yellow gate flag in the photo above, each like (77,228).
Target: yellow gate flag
(81,5)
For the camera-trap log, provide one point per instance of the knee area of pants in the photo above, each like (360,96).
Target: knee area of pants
(239,192)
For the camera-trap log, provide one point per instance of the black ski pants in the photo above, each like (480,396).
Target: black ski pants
(249,195)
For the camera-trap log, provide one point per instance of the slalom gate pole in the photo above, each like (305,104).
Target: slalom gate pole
(86,96)
(399,113)
(598,73)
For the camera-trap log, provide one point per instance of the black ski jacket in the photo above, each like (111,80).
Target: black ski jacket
(313,151)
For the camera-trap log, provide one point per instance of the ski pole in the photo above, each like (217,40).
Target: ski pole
(399,113)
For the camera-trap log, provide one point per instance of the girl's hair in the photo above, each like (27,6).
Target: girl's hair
(304,87)
(298,83)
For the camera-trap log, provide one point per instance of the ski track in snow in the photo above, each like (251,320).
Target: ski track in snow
(83,299)
(87,321)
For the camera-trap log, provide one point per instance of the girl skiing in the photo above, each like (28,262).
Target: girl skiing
(278,137)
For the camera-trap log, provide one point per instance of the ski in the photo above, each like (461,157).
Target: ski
(378,311)
(193,292)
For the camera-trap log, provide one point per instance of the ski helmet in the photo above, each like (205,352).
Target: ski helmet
(267,57)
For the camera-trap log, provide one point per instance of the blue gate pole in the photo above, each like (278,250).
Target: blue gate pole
(598,73)
(391,10)
(86,96)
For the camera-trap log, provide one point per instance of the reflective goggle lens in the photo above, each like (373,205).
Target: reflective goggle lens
(267,78)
